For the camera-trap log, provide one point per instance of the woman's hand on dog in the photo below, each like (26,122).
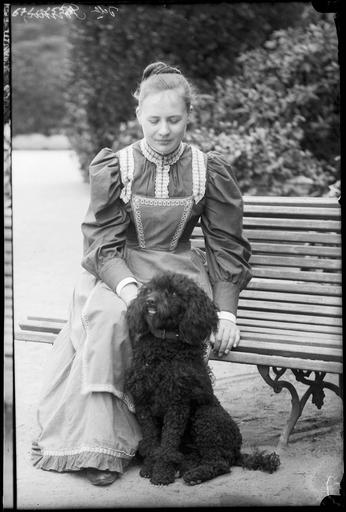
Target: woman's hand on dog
(226,337)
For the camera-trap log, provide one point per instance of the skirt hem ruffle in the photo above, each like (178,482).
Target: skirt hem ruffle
(78,461)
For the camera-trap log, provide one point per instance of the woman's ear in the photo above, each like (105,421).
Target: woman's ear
(138,115)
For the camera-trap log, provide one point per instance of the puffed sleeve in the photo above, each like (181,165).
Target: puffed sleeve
(106,221)
(227,249)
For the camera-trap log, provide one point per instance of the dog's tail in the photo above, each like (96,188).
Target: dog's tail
(262,460)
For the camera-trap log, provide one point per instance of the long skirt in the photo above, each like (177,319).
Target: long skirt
(85,416)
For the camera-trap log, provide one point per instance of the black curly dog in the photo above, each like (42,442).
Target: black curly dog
(185,429)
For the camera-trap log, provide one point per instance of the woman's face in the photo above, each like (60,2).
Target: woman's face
(163,117)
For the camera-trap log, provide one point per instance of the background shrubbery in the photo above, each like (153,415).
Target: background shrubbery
(108,57)
(39,75)
(277,120)
(267,77)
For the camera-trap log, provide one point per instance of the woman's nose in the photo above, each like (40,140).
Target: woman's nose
(163,128)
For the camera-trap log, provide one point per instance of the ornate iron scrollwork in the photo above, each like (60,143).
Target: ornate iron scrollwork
(315,390)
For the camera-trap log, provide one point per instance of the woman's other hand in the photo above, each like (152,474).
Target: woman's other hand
(226,337)
(128,293)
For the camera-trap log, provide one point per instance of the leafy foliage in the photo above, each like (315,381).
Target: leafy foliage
(277,120)
(107,57)
(39,69)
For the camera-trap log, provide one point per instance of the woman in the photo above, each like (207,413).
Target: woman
(145,201)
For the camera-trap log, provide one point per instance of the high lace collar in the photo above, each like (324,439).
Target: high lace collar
(157,158)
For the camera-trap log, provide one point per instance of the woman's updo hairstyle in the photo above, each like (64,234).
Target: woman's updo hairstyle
(158,77)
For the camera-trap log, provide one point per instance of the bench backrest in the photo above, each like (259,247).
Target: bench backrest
(295,294)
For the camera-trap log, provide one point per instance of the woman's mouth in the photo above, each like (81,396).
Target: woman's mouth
(164,142)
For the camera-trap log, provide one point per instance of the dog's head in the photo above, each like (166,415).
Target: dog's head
(173,302)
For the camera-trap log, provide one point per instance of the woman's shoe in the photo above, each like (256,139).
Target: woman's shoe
(100,477)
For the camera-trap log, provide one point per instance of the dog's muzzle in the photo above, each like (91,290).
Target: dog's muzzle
(151,307)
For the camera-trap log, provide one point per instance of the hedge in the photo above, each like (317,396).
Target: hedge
(277,120)
(107,57)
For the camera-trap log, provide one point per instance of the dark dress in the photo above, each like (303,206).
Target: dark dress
(142,212)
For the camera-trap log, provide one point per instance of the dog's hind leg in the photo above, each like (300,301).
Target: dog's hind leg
(215,437)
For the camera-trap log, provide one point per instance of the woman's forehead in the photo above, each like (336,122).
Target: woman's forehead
(168,102)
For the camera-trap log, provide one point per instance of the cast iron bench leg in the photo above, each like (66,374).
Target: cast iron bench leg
(315,390)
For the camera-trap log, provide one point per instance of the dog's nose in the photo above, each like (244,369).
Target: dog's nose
(151,305)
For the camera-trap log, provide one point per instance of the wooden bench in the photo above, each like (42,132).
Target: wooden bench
(290,314)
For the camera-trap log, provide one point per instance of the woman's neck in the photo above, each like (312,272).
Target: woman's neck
(153,155)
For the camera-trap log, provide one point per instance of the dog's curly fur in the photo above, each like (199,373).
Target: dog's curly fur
(185,429)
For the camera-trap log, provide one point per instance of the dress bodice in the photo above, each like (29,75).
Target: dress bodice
(158,218)
(144,207)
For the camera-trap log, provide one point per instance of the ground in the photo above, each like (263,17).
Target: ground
(49,201)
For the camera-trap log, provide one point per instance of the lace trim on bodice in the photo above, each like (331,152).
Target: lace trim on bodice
(163,163)
(199,173)
(127,166)
(139,203)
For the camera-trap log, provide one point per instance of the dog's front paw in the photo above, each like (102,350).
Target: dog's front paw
(146,470)
(163,473)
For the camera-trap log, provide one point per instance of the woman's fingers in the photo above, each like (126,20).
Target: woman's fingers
(227,337)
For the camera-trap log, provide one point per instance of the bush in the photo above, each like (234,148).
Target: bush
(39,67)
(108,56)
(277,121)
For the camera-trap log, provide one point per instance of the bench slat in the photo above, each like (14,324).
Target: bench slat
(292,211)
(294,286)
(293,236)
(325,354)
(291,297)
(293,275)
(258,324)
(234,356)
(292,307)
(280,361)
(301,201)
(291,261)
(35,337)
(311,344)
(285,249)
(294,249)
(288,317)
(318,225)
(246,325)
(310,236)
(47,319)
(41,326)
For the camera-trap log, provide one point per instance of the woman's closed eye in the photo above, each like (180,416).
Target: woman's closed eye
(171,120)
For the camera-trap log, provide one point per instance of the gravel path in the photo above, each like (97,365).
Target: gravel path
(49,201)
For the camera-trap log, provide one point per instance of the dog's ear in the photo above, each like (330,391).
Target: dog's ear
(200,318)
(135,316)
